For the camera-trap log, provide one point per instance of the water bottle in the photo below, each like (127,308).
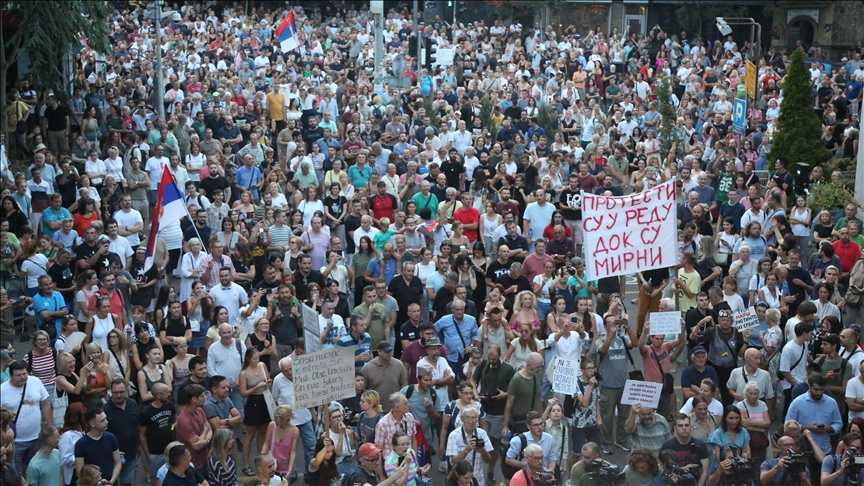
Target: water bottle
(648,288)
(531,234)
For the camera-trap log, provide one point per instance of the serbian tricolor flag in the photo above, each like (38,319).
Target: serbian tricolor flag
(287,33)
(169,208)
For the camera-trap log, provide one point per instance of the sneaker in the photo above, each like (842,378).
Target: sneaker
(606,449)
(634,301)
(442,467)
(622,446)
(490,478)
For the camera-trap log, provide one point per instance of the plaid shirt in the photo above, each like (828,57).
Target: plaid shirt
(388,426)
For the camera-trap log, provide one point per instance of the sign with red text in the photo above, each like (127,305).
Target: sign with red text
(643,392)
(629,234)
(746,319)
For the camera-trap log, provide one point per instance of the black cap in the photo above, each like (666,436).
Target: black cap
(385,346)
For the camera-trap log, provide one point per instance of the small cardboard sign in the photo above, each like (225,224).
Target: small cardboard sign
(645,393)
(746,319)
(665,322)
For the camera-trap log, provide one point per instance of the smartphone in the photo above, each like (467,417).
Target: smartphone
(574,319)
(820,426)
(401,460)
(620,322)
(90,357)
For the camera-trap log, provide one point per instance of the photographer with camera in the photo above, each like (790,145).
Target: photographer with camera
(788,468)
(470,443)
(534,474)
(674,474)
(579,471)
(845,466)
(691,454)
(734,469)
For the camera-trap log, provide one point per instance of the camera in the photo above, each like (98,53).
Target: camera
(603,473)
(856,463)
(479,442)
(682,477)
(741,472)
(545,478)
(797,461)
(571,270)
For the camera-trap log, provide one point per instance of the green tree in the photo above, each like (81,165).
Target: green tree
(666,129)
(797,138)
(699,16)
(49,29)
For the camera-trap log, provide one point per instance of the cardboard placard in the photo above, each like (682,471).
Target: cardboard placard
(746,319)
(645,393)
(311,332)
(564,376)
(665,322)
(323,377)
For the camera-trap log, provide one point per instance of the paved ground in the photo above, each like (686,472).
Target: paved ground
(618,456)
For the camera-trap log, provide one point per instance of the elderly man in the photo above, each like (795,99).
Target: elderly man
(459,334)
(470,441)
(751,372)
(651,430)
(225,358)
(399,418)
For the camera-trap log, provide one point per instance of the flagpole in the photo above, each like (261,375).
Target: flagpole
(186,208)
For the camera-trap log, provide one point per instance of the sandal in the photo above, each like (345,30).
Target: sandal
(248,471)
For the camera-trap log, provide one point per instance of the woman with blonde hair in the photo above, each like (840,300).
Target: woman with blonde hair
(96,373)
(371,413)
(91,475)
(179,364)
(707,266)
(292,256)
(221,470)
(525,311)
(281,440)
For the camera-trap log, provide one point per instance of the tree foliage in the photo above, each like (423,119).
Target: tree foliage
(46,29)
(799,130)
(666,130)
(698,16)
(487,105)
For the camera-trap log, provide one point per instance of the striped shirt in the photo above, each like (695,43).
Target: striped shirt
(651,437)
(217,475)
(42,367)
(280,236)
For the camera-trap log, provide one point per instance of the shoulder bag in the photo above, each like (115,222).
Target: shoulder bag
(668,379)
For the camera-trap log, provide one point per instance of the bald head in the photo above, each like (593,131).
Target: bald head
(534,359)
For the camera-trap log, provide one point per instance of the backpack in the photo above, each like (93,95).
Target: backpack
(410,392)
(843,363)
(507,470)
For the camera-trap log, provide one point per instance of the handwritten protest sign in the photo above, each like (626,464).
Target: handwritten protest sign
(323,377)
(629,234)
(564,376)
(644,392)
(311,331)
(746,319)
(665,322)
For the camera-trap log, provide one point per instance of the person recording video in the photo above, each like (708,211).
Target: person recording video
(734,469)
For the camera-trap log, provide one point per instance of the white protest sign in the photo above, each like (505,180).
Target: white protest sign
(665,322)
(323,377)
(629,234)
(746,319)
(444,57)
(643,392)
(311,331)
(564,376)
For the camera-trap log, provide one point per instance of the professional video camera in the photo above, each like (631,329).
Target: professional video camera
(603,473)
(742,472)
(797,461)
(545,478)
(856,463)
(677,476)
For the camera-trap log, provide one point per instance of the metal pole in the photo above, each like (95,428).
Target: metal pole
(379,52)
(160,86)
(453,26)
(418,33)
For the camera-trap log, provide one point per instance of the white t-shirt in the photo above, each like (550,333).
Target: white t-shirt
(129,219)
(154,168)
(336,332)
(794,353)
(854,358)
(29,421)
(855,389)
(714,408)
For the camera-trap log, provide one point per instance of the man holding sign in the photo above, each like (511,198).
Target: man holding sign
(656,361)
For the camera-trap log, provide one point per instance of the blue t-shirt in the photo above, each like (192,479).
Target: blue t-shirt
(98,452)
(249,179)
(691,376)
(44,470)
(733,213)
(389,269)
(359,177)
(52,303)
(49,215)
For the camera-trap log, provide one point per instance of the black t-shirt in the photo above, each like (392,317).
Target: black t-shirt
(84,251)
(351,224)
(56,118)
(452,170)
(507,281)
(311,135)
(409,332)
(656,275)
(301,283)
(123,424)
(175,328)
(497,269)
(63,279)
(490,380)
(143,296)
(691,453)
(335,205)
(284,326)
(159,423)
(210,185)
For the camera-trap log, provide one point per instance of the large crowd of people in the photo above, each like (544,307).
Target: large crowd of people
(440,238)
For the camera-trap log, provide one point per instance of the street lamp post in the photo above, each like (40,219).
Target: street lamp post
(160,87)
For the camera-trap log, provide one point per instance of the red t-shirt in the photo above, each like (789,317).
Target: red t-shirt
(382,207)
(848,254)
(190,425)
(468,216)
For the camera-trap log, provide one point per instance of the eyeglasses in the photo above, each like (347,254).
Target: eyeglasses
(541,424)
(536,458)
(373,461)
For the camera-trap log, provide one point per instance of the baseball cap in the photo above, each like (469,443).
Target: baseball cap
(385,346)
(368,450)
(699,349)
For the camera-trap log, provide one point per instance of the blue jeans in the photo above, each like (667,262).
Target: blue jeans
(156,461)
(237,399)
(543,310)
(307,438)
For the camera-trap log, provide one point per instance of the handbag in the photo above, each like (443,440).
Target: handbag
(853,298)
(635,374)
(668,379)
(60,405)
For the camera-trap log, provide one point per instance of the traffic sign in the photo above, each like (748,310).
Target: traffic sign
(739,116)
(750,80)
